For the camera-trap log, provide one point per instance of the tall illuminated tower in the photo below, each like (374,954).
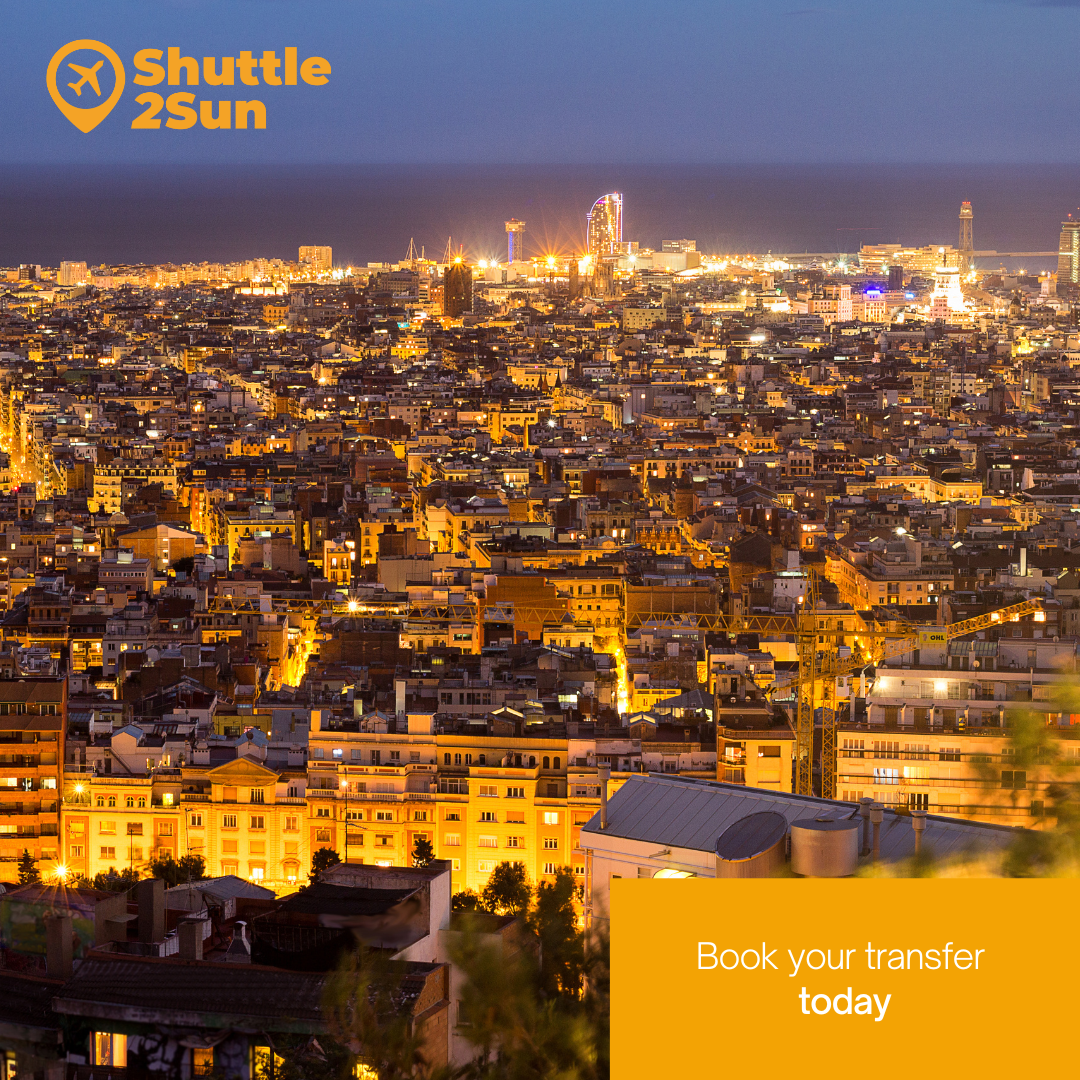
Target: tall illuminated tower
(966,244)
(515,240)
(605,225)
(1069,252)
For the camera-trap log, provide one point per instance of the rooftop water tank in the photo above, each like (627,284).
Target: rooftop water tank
(753,847)
(825,846)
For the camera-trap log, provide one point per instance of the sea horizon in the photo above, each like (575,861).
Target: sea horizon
(369,213)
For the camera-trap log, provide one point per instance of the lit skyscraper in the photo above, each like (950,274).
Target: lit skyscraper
(1069,253)
(515,240)
(605,225)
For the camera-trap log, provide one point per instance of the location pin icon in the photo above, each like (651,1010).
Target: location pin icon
(85,119)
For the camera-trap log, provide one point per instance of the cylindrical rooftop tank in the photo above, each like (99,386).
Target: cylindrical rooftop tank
(824,846)
(753,847)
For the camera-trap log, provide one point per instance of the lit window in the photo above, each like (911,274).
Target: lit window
(110,1049)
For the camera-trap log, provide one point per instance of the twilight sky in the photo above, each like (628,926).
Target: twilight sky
(562,81)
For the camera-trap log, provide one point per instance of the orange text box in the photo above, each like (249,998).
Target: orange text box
(809,978)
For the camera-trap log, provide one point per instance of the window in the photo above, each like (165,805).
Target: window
(257,795)
(257,821)
(100,800)
(515,841)
(550,843)
(886,776)
(110,1049)
(202,1062)
(322,836)
(488,841)
(557,764)
(292,824)
(547,763)
(1014,780)
(129,802)
(487,815)
(322,811)
(489,791)
(108,853)
(419,815)
(384,840)
(919,801)
(485,866)
(265,1063)
(446,759)
(549,868)
(107,828)
(384,815)
(228,794)
(515,793)
(395,755)
(228,821)
(452,840)
(453,815)
(551,817)
(948,753)
(165,828)
(112,802)
(134,828)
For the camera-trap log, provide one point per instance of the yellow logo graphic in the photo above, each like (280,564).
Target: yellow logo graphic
(85,118)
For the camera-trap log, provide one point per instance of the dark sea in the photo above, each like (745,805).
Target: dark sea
(370,213)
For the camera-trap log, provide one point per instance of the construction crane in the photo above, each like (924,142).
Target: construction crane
(820,665)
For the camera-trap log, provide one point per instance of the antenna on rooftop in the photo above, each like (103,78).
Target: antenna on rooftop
(410,256)
(449,251)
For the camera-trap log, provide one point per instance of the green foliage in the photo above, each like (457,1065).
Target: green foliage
(466,900)
(29,874)
(178,871)
(519,1031)
(114,881)
(322,860)
(553,921)
(423,852)
(507,891)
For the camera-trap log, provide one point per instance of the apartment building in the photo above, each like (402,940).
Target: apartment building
(938,736)
(242,817)
(33,718)
(898,570)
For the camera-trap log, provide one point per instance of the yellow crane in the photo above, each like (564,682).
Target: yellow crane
(820,665)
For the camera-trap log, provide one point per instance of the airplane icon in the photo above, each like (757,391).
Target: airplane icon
(89,75)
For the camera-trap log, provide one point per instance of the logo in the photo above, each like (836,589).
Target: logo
(78,85)
(85,83)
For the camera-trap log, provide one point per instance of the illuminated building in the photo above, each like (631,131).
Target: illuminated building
(71,273)
(457,289)
(33,720)
(947,297)
(515,240)
(966,244)
(875,259)
(1069,252)
(605,225)
(316,260)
